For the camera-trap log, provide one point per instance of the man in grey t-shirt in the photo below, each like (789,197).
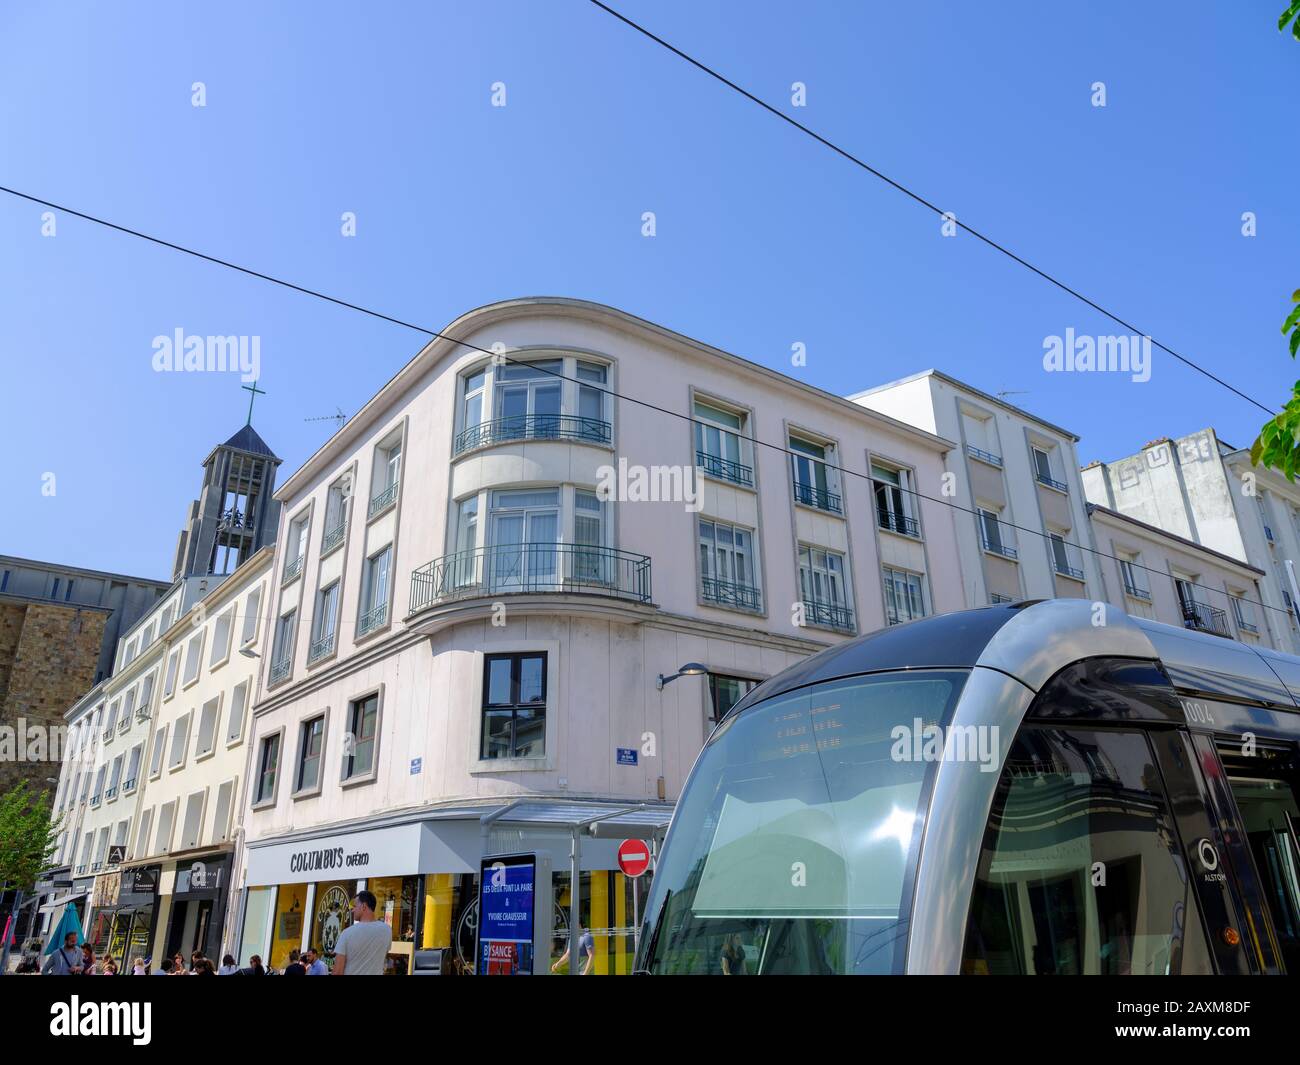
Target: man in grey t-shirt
(363,946)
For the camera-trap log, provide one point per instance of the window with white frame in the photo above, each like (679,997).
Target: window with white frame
(252,604)
(221,630)
(311,748)
(209,716)
(128,708)
(336,514)
(101,848)
(590,563)
(892,486)
(721,447)
(221,811)
(166,820)
(238,704)
(728,572)
(133,769)
(324,620)
(472,403)
(363,728)
(111,719)
(180,741)
(192,824)
(143,844)
(528,402)
(1133,573)
(282,645)
(1047,467)
(824,588)
(114,778)
(386,474)
(996,536)
(1065,556)
(98,793)
(145,709)
(295,547)
(524,529)
(816,483)
(375,580)
(173,667)
(193,656)
(159,746)
(268,767)
(1244,611)
(904,595)
(981,437)
(593,422)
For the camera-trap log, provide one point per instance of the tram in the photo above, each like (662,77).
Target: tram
(1051,787)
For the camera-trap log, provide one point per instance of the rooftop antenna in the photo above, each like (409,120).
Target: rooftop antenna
(338,417)
(1011,392)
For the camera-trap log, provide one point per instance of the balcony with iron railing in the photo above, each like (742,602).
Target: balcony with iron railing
(533,427)
(818,498)
(998,547)
(836,616)
(292,570)
(1205,618)
(1245,621)
(739,595)
(521,569)
(333,538)
(372,619)
(320,647)
(898,523)
(384,499)
(1136,591)
(725,469)
(1066,570)
(984,456)
(1051,482)
(280,669)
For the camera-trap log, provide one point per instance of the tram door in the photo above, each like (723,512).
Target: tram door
(1265,785)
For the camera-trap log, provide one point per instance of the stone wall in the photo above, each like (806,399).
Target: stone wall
(48,656)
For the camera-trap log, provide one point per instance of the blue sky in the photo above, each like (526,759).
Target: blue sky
(764,238)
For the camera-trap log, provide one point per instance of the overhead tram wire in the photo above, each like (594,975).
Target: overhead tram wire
(826,142)
(438,335)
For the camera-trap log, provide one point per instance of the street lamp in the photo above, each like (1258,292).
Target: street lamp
(248,652)
(691,669)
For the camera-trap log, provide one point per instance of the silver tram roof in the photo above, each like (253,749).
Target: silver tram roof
(1032,641)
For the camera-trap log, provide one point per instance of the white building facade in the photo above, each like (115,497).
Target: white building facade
(483,575)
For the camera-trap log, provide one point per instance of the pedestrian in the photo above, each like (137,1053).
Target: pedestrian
(228,966)
(362,947)
(254,967)
(178,965)
(195,958)
(165,969)
(137,967)
(316,964)
(110,967)
(87,960)
(586,952)
(66,961)
(295,966)
(204,967)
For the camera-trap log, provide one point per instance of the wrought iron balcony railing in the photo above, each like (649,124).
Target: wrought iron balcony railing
(1137,592)
(830,615)
(1052,482)
(533,427)
(372,619)
(1205,618)
(729,593)
(997,547)
(724,469)
(899,523)
(984,456)
(320,648)
(820,498)
(292,570)
(997,597)
(384,499)
(509,569)
(333,538)
(1066,570)
(280,669)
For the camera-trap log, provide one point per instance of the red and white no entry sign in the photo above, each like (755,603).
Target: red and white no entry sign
(633,857)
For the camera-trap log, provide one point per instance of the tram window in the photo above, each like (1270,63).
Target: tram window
(1081,870)
(1263,790)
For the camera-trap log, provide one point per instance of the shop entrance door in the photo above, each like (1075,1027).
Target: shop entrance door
(189,927)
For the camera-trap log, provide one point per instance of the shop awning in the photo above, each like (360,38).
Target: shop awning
(603,820)
(61,901)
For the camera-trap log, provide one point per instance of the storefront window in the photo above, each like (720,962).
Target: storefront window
(332,912)
(257,909)
(395,904)
(286,932)
(608,904)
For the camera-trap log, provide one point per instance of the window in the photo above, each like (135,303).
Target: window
(514,705)
(111,719)
(1044,469)
(1082,797)
(282,655)
(1244,611)
(129,657)
(472,405)
(180,740)
(159,745)
(981,438)
(98,793)
(822,584)
(593,566)
(323,622)
(728,575)
(893,500)
(720,448)
(904,596)
(146,697)
(101,848)
(221,813)
(994,535)
(238,702)
(295,549)
(813,482)
(725,692)
(525,527)
(133,768)
(1064,556)
(221,638)
(374,592)
(1134,580)
(86,844)
(166,818)
(193,654)
(173,664)
(114,778)
(142,841)
(386,476)
(363,728)
(252,604)
(311,742)
(528,399)
(128,707)
(591,400)
(192,825)
(336,515)
(208,718)
(268,763)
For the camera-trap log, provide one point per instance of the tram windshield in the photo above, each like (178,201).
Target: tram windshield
(795,843)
